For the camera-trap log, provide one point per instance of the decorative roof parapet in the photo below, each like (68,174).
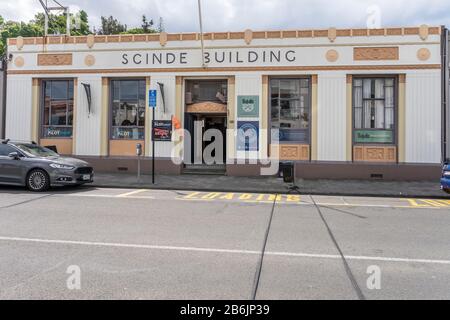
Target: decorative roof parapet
(248,35)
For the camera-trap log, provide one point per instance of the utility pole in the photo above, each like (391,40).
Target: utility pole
(48,11)
(201,32)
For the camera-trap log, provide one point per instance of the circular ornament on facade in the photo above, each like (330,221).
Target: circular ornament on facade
(423,54)
(332,55)
(19,62)
(89,60)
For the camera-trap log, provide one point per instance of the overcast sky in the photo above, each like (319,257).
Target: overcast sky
(231,15)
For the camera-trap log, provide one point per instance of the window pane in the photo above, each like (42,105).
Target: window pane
(46,119)
(70,93)
(128,109)
(389,82)
(128,90)
(59,90)
(142,89)
(58,114)
(290,108)
(57,107)
(116,90)
(367,85)
(289,89)
(70,114)
(389,118)
(389,97)
(368,114)
(379,114)
(358,118)
(379,89)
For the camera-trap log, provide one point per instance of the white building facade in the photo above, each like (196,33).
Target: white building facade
(347,103)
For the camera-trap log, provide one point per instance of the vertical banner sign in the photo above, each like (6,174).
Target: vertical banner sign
(248,106)
(152,98)
(248,136)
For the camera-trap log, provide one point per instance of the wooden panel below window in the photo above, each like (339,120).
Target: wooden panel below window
(375,153)
(64,146)
(299,152)
(125,147)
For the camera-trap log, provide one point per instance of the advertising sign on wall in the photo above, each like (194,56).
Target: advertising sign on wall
(248,106)
(57,132)
(248,136)
(162,130)
(374,136)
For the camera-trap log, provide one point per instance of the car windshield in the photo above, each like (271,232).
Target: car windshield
(36,151)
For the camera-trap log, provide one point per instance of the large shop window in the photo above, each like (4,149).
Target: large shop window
(128,109)
(374,110)
(57,119)
(290,109)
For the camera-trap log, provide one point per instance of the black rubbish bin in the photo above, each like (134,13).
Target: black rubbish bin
(287,171)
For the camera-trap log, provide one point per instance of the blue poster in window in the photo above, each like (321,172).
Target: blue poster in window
(248,136)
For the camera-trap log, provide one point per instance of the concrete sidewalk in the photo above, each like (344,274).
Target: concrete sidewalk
(273,185)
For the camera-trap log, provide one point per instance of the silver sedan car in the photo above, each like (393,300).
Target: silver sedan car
(39,168)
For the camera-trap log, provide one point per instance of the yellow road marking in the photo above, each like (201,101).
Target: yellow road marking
(243,197)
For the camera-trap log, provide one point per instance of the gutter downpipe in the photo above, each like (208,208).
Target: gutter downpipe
(445,94)
(4,68)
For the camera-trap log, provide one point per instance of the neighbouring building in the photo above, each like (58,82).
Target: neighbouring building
(348,103)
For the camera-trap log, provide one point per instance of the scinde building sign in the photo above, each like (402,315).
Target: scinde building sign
(211,57)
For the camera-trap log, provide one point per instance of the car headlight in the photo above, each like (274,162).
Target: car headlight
(61,166)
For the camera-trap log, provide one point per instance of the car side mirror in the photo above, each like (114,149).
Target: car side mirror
(14,155)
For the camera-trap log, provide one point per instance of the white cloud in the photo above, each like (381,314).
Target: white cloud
(229,15)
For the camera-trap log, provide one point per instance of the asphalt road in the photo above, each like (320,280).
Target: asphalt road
(149,244)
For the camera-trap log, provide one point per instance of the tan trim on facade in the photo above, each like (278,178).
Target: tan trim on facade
(292,152)
(243,46)
(376,53)
(35,101)
(314,118)
(126,148)
(231,118)
(178,138)
(235,69)
(51,59)
(104,120)
(349,119)
(323,33)
(374,153)
(402,118)
(64,146)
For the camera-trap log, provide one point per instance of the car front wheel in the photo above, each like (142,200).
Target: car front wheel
(38,180)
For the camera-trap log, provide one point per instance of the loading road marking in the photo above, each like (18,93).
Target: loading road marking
(297,199)
(225,251)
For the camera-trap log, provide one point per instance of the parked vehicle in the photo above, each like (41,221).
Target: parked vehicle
(445,180)
(38,168)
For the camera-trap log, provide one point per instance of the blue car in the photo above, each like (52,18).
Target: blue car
(445,180)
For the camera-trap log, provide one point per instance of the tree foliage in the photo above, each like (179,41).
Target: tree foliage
(79,26)
(35,28)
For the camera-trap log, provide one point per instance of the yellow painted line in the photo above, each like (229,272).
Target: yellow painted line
(435,203)
(132,193)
